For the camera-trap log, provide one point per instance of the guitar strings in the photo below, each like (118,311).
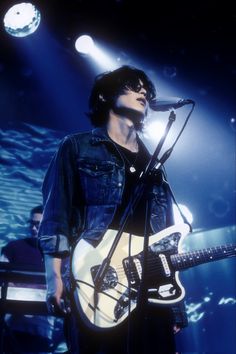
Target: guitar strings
(193,254)
(153,266)
(103,292)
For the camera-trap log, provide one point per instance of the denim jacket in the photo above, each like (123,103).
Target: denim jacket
(82,189)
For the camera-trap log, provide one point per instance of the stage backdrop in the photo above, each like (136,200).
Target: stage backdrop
(26,151)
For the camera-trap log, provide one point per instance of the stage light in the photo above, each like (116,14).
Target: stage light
(186,212)
(154,130)
(22,20)
(84,44)
(104,60)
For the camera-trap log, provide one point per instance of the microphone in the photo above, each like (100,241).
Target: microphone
(163,104)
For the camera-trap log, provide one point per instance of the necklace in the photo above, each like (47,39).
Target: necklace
(132,168)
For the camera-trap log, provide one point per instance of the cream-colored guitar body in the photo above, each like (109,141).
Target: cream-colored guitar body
(109,306)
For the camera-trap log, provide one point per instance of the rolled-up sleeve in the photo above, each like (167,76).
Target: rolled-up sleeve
(58,194)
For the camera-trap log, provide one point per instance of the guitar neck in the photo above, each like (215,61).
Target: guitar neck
(186,260)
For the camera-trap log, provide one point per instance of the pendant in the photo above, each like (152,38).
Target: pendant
(132,169)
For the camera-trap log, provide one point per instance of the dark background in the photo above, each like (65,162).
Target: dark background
(195,37)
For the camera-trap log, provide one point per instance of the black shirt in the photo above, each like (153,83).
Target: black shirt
(136,162)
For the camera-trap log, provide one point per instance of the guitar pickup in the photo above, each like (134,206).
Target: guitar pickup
(133,270)
(165,265)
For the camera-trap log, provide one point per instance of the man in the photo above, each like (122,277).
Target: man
(25,251)
(31,333)
(86,191)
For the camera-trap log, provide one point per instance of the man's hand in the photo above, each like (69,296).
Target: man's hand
(55,302)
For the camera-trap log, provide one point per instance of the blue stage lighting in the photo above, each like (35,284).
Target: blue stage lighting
(84,44)
(186,212)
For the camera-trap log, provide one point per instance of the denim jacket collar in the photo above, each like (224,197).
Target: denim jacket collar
(99,135)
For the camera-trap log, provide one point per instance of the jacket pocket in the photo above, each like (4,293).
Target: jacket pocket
(97,180)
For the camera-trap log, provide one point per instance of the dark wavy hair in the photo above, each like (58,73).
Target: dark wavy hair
(36,210)
(109,85)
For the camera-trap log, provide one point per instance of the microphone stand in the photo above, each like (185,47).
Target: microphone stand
(142,295)
(138,192)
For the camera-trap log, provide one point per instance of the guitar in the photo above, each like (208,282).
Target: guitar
(109,304)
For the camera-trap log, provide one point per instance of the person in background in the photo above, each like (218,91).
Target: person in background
(25,251)
(30,333)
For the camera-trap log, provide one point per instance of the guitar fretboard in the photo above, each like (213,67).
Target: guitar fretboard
(190,259)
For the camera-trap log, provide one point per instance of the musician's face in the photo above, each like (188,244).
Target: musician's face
(34,224)
(133,99)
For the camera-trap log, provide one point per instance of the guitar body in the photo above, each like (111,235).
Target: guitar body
(108,305)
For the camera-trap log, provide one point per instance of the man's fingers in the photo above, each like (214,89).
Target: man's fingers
(65,306)
(53,305)
(51,308)
(57,307)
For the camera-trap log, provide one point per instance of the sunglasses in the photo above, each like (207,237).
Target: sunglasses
(33,223)
(137,87)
